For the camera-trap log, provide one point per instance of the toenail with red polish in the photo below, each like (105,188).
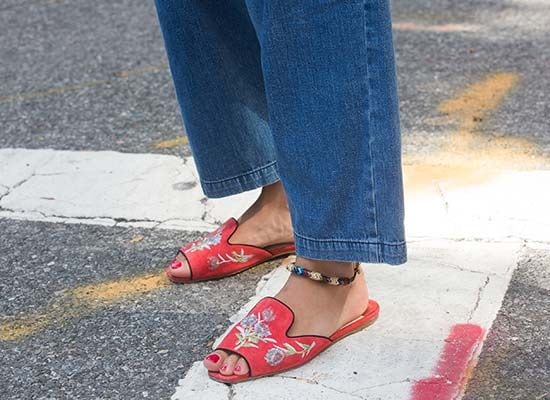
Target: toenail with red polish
(237,368)
(176,264)
(224,367)
(214,358)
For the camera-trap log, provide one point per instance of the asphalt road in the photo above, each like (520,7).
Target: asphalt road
(515,362)
(129,349)
(85,75)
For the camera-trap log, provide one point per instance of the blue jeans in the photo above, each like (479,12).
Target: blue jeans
(303,92)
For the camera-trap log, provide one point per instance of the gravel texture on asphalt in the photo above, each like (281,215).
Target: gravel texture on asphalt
(515,360)
(137,347)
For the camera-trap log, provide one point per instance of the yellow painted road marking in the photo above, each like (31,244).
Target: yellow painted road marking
(82,301)
(442,28)
(136,239)
(471,106)
(71,88)
(170,143)
(469,156)
(111,291)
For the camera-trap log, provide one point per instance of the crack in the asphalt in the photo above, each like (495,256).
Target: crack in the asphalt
(206,215)
(8,190)
(115,220)
(452,266)
(50,174)
(314,382)
(34,173)
(15,186)
(478,298)
(406,380)
(231,393)
(443,197)
(519,252)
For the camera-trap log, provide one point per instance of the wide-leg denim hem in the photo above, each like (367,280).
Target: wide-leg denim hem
(250,180)
(351,250)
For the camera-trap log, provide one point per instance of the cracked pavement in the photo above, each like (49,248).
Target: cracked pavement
(435,266)
(98,189)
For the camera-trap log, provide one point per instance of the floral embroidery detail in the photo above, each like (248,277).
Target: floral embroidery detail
(262,330)
(253,329)
(249,321)
(268,314)
(215,261)
(277,354)
(211,239)
(274,356)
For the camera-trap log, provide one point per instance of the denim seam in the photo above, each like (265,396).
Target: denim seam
(350,240)
(369,96)
(240,175)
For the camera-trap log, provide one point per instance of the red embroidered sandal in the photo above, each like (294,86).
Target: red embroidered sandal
(214,257)
(261,339)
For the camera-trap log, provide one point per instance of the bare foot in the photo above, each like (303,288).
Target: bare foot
(266,222)
(320,309)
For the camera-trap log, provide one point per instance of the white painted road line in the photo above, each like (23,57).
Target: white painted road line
(510,204)
(108,188)
(161,191)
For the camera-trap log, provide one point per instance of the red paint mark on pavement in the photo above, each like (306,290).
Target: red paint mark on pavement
(454,365)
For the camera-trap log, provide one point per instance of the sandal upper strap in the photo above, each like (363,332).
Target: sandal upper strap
(261,339)
(212,255)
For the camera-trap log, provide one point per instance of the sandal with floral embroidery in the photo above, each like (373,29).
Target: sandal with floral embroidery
(261,338)
(214,257)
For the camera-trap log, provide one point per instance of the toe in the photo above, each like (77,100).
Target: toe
(229,364)
(241,367)
(179,267)
(214,360)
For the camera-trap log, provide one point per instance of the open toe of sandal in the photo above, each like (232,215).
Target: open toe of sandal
(214,257)
(261,339)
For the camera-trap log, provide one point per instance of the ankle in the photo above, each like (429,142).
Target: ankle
(326,267)
(273,195)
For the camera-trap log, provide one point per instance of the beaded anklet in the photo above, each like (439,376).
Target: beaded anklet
(317,276)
